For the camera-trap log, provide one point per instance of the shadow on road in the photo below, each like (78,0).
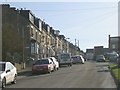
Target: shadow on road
(25,73)
(103,71)
(106,65)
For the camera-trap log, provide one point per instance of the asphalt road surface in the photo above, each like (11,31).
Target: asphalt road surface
(88,75)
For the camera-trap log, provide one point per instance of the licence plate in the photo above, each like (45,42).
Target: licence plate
(39,68)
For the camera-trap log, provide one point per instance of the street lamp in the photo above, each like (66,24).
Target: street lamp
(24,47)
(67,45)
(23,66)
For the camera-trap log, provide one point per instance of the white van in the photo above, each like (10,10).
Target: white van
(65,59)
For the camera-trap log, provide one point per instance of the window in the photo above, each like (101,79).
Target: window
(31,18)
(40,25)
(9,66)
(32,32)
(32,48)
(39,62)
(2,67)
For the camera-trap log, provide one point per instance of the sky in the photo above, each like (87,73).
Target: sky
(89,21)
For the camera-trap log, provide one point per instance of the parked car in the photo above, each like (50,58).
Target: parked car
(43,65)
(113,58)
(65,59)
(89,56)
(84,56)
(8,73)
(82,59)
(77,59)
(100,58)
(55,62)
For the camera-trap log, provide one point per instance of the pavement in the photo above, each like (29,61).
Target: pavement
(24,73)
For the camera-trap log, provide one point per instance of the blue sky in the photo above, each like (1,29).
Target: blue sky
(88,22)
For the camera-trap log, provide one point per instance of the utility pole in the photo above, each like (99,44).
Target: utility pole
(67,45)
(23,66)
(75,42)
(78,43)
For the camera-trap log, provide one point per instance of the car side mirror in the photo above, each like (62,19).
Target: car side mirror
(7,71)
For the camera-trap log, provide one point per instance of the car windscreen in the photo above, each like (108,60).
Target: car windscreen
(39,62)
(100,57)
(2,66)
(51,59)
(75,58)
(65,56)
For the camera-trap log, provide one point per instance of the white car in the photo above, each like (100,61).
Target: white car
(8,73)
(56,63)
(82,59)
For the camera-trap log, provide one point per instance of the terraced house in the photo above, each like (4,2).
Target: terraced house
(26,37)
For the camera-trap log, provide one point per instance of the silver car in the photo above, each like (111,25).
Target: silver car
(100,58)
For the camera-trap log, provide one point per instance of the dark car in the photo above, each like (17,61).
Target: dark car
(100,58)
(43,66)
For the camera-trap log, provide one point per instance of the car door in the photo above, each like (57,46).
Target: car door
(82,59)
(51,65)
(8,73)
(56,62)
(12,71)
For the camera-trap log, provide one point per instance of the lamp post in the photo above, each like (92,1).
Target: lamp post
(23,66)
(23,54)
(55,47)
(67,45)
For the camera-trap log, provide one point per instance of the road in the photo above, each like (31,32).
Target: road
(88,75)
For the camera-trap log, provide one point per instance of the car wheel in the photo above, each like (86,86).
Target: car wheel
(3,83)
(60,66)
(56,68)
(49,70)
(70,65)
(15,79)
(33,73)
